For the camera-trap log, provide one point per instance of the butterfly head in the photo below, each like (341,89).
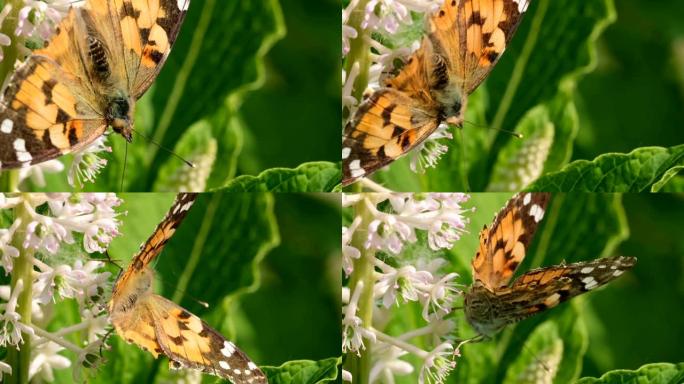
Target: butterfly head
(480,311)
(119,115)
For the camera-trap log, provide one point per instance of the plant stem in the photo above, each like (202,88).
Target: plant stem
(360,366)
(10,178)
(19,359)
(359,50)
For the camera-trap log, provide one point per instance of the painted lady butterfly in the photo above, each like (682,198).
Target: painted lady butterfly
(103,58)
(161,327)
(492,302)
(465,39)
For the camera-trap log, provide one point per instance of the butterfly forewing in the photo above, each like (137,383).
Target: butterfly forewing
(503,246)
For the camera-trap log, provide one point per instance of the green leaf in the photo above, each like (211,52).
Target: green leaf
(522,161)
(657,373)
(553,351)
(308,177)
(637,171)
(213,146)
(304,371)
(666,179)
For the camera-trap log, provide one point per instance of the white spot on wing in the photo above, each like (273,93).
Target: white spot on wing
(20,148)
(522,5)
(589,283)
(251,365)
(346,151)
(527,198)
(355,168)
(586,270)
(617,273)
(183,4)
(224,365)
(228,349)
(6,126)
(537,212)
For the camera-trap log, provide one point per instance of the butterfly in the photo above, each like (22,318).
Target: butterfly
(464,40)
(103,58)
(492,302)
(162,327)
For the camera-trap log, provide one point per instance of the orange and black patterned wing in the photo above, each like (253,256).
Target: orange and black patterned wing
(504,245)
(473,34)
(142,32)
(190,343)
(150,249)
(391,121)
(48,108)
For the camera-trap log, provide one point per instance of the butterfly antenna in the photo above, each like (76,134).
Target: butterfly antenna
(123,174)
(104,341)
(174,154)
(464,174)
(514,134)
(111,261)
(193,298)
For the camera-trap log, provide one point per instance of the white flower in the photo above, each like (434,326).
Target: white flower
(387,15)
(387,364)
(427,154)
(349,252)
(92,215)
(45,358)
(81,281)
(4,368)
(10,325)
(353,331)
(7,250)
(5,40)
(40,18)
(440,297)
(87,164)
(405,281)
(437,364)
(36,173)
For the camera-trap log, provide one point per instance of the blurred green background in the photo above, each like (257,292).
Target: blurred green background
(635,96)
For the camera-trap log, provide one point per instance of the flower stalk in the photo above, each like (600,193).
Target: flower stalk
(19,357)
(360,365)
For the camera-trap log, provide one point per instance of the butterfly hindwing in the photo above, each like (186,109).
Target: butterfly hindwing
(190,343)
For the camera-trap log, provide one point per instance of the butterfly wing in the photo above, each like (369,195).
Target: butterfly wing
(538,290)
(190,343)
(391,122)
(47,109)
(503,246)
(473,34)
(150,249)
(142,33)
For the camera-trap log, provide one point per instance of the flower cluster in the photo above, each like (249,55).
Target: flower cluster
(38,248)
(36,21)
(372,24)
(386,235)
